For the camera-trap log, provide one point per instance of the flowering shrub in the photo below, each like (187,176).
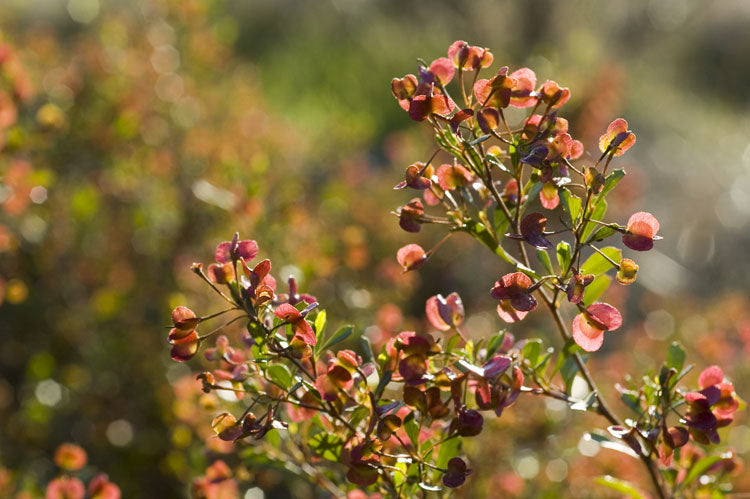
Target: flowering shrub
(391,420)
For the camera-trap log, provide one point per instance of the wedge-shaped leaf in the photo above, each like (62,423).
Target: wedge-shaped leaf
(571,204)
(448,450)
(698,469)
(543,258)
(596,289)
(596,264)
(493,160)
(531,351)
(568,372)
(384,380)
(570,348)
(598,214)
(412,430)
(611,181)
(320,324)
(563,255)
(532,195)
(683,373)
(280,375)
(337,337)
(367,354)
(620,486)
(326,445)
(601,234)
(676,356)
(630,399)
(495,342)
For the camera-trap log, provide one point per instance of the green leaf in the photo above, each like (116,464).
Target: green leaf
(570,348)
(257,332)
(367,353)
(532,195)
(448,450)
(620,486)
(568,372)
(698,469)
(337,337)
(384,380)
(544,359)
(531,351)
(598,214)
(571,204)
(601,234)
(596,264)
(597,288)
(327,445)
(452,342)
(676,379)
(676,356)
(611,181)
(543,258)
(494,160)
(496,341)
(320,324)
(563,255)
(412,430)
(280,375)
(358,415)
(631,399)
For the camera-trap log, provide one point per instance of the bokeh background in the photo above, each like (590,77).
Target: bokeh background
(136,135)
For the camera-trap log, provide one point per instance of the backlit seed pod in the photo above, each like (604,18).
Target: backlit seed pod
(70,457)
(65,487)
(589,327)
(444,313)
(184,318)
(101,488)
(221,273)
(443,70)
(521,93)
(451,177)
(411,257)
(515,300)
(553,95)
(410,215)
(641,231)
(184,348)
(617,138)
(626,274)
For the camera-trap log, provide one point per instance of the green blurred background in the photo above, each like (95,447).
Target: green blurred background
(149,130)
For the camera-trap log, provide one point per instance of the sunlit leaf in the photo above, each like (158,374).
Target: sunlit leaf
(596,264)
(676,356)
(620,486)
(280,375)
(597,288)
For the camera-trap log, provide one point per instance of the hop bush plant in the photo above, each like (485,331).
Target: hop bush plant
(390,421)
